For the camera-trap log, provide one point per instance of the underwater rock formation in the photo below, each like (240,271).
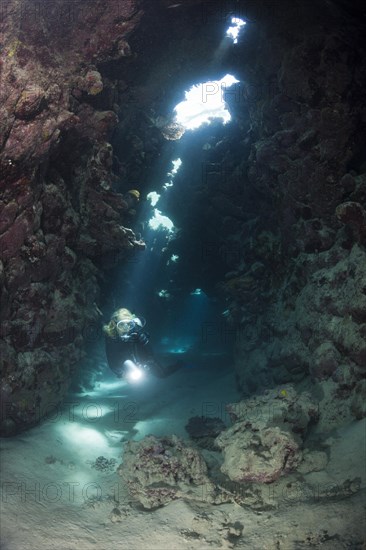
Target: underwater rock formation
(265,440)
(58,214)
(303,313)
(353,215)
(278,407)
(258,454)
(159,470)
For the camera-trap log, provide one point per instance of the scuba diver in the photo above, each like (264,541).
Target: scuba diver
(128,351)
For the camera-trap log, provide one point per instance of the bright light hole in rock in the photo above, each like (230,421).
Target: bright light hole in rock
(205,102)
(177,163)
(153,197)
(234,30)
(158,221)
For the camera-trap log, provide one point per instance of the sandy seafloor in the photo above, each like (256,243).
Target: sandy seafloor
(64,503)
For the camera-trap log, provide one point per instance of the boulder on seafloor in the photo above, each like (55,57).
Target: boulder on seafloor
(282,407)
(259,455)
(160,470)
(265,440)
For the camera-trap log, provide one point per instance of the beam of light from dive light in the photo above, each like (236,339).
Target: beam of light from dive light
(133,372)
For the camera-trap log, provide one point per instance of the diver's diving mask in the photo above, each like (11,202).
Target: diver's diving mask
(125,326)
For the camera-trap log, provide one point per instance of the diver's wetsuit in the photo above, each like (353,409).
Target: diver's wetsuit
(118,351)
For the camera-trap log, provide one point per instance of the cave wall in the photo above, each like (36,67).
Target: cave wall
(297,295)
(58,212)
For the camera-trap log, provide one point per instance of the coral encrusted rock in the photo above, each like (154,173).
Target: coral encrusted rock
(282,407)
(255,453)
(265,441)
(159,470)
(57,213)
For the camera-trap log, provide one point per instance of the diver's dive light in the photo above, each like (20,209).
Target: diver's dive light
(134,373)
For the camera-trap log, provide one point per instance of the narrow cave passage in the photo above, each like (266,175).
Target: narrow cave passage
(182,285)
(180,269)
(174,282)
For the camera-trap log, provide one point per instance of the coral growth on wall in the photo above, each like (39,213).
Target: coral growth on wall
(298,293)
(58,212)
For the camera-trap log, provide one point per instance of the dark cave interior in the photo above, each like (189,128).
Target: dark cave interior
(253,202)
(260,287)
(260,204)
